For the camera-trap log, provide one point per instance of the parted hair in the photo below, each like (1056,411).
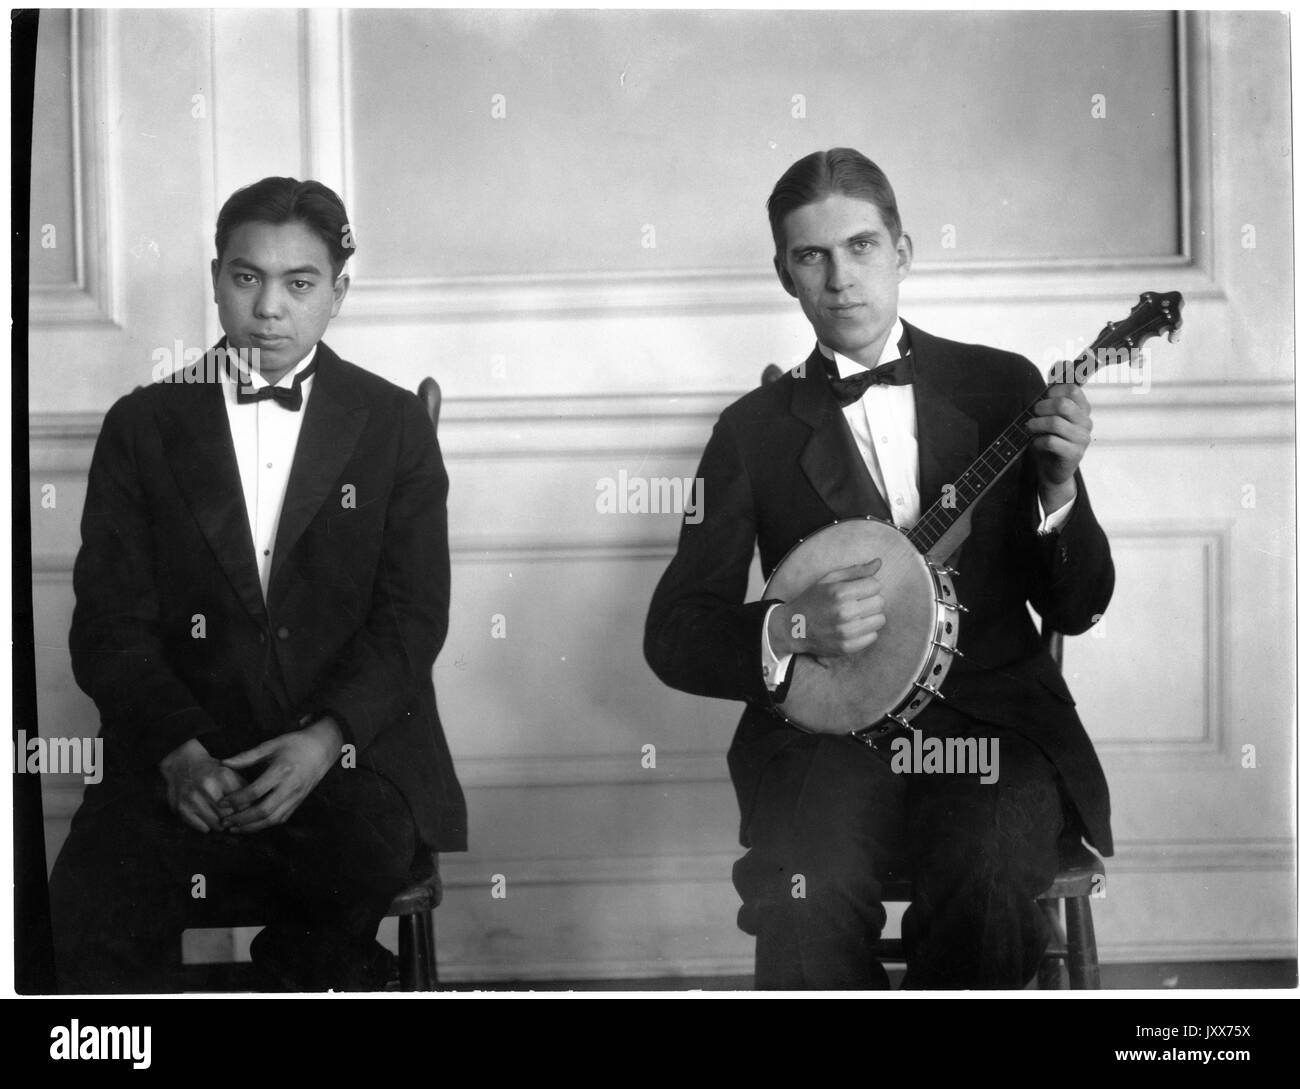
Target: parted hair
(840,170)
(288,200)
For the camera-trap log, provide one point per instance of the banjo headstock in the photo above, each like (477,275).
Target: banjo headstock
(1156,314)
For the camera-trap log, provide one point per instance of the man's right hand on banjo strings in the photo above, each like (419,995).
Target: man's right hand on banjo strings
(842,613)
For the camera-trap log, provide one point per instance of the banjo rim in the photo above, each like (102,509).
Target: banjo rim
(767,583)
(943,650)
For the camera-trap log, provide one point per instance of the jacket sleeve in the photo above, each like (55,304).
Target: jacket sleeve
(116,642)
(701,636)
(1076,576)
(1073,577)
(388,663)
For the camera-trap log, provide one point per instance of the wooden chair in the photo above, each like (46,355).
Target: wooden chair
(1081,875)
(417,957)
(416,954)
(1076,946)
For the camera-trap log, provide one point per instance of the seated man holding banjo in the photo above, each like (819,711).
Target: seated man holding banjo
(856,474)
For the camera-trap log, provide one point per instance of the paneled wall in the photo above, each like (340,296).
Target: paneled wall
(560,216)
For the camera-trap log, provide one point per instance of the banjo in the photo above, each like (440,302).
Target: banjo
(874,692)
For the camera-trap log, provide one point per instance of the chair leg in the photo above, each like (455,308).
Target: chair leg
(1049,968)
(416,956)
(1081,945)
(430,952)
(408,953)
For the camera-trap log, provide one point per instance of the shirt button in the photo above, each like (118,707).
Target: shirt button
(884,438)
(268,465)
(266,552)
(898,500)
(283,633)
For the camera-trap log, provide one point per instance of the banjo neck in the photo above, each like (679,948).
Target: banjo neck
(943,527)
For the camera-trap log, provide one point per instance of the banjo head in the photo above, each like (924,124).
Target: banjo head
(855,691)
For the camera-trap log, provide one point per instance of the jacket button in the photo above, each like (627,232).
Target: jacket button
(283,633)
(261,637)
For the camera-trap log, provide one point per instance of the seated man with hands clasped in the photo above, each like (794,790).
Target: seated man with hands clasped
(261,591)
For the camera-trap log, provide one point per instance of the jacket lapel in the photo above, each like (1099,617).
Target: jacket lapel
(335,416)
(830,458)
(195,434)
(947,439)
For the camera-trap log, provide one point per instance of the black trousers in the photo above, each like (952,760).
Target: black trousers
(832,820)
(128,879)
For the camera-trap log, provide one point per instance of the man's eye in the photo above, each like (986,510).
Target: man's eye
(302,285)
(862,245)
(245,278)
(809,257)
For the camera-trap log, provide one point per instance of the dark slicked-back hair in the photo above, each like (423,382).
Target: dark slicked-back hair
(288,200)
(814,177)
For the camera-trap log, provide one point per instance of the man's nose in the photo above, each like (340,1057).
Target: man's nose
(269,301)
(839,273)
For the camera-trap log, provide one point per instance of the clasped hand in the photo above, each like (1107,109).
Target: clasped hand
(210,795)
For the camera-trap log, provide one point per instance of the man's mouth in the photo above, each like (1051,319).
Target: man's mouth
(267,340)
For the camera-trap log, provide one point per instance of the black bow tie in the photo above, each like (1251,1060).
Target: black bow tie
(897,372)
(289,397)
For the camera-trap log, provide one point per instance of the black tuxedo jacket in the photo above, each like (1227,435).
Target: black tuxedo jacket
(782,463)
(171,635)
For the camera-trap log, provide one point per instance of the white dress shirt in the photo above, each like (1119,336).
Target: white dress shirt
(266,436)
(883,425)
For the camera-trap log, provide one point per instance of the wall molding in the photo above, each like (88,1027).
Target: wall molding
(325,76)
(1207,748)
(472,870)
(596,426)
(1214,537)
(93,298)
(54,569)
(1133,856)
(559,772)
(1183,861)
(505,549)
(325,63)
(1141,952)
(752,291)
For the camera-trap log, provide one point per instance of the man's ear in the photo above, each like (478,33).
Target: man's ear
(783,274)
(903,248)
(341,284)
(216,271)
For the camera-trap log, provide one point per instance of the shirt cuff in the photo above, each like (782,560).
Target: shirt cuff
(774,668)
(1050,523)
